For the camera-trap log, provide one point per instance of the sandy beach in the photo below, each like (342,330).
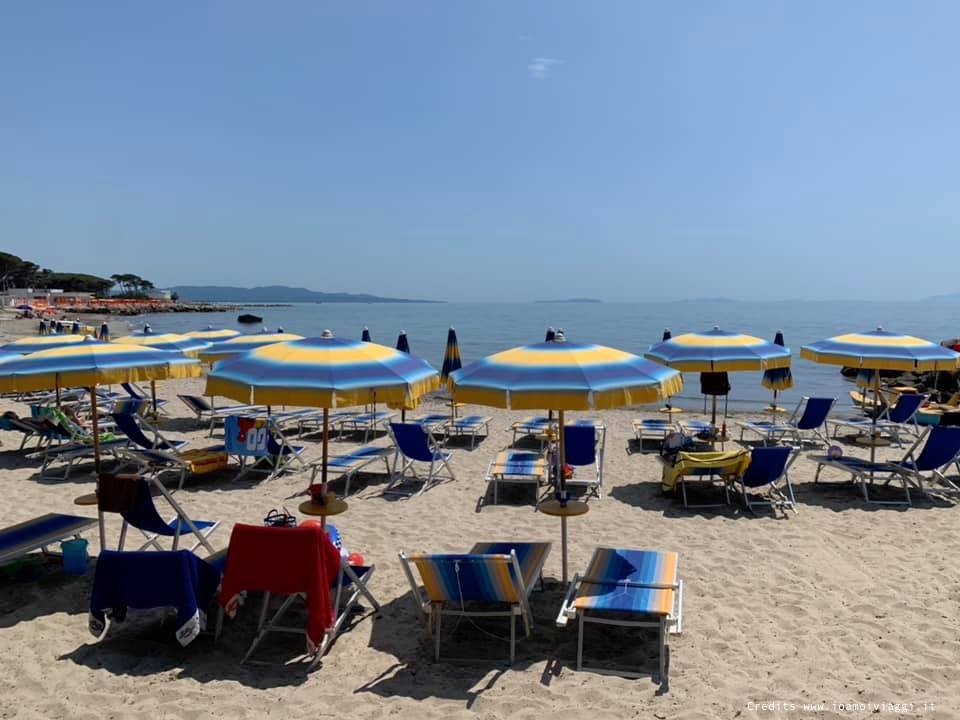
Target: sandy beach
(839,603)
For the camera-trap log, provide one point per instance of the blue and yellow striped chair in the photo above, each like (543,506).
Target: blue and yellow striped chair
(628,588)
(491,574)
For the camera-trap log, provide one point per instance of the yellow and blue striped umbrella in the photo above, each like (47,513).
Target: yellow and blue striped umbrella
(190,346)
(451,356)
(882,350)
(563,375)
(777,379)
(718,351)
(244,343)
(44,342)
(323,372)
(213,334)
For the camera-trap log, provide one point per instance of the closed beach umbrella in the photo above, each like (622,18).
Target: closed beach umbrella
(244,343)
(715,353)
(44,342)
(551,335)
(365,335)
(666,334)
(451,362)
(777,379)
(881,350)
(403,345)
(212,333)
(324,372)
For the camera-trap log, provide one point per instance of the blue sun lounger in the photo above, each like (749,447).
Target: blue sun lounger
(654,428)
(627,588)
(204,410)
(36,534)
(347,466)
(523,467)
(813,418)
(493,574)
(472,425)
(366,422)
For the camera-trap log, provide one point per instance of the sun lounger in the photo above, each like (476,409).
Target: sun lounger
(496,574)
(812,420)
(27,427)
(652,428)
(517,466)
(71,453)
(893,419)
(197,461)
(366,422)
(533,425)
(471,425)
(941,449)
(40,532)
(204,410)
(314,423)
(767,467)
(347,466)
(626,588)
(694,427)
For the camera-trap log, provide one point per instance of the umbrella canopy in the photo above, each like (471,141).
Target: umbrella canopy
(718,351)
(322,372)
(451,356)
(778,378)
(244,343)
(882,350)
(403,344)
(166,341)
(563,376)
(212,333)
(365,335)
(44,342)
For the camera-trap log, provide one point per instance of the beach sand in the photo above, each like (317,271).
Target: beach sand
(839,603)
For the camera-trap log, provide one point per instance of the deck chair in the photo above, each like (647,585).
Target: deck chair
(126,421)
(39,532)
(767,466)
(812,420)
(131,497)
(197,461)
(302,564)
(146,580)
(500,574)
(626,588)
(583,446)
(260,439)
(205,411)
(414,444)
(941,449)
(522,467)
(353,462)
(473,425)
(893,419)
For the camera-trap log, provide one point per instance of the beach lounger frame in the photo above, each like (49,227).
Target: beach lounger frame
(44,530)
(518,606)
(666,624)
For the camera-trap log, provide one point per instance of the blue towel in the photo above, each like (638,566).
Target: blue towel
(153,579)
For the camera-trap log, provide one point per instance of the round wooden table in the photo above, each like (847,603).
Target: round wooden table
(573,508)
(332,506)
(86,500)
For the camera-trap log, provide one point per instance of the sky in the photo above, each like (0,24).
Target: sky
(488,150)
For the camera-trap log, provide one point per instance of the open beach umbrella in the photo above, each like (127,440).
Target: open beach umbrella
(325,372)
(244,343)
(879,350)
(213,334)
(716,352)
(365,335)
(562,376)
(43,342)
(777,379)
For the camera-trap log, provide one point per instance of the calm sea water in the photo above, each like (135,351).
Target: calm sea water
(484,328)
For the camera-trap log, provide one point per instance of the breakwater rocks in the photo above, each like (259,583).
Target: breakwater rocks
(144,308)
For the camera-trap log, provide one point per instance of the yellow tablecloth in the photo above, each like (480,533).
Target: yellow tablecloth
(724,463)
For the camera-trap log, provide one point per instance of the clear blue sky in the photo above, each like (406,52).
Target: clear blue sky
(506,150)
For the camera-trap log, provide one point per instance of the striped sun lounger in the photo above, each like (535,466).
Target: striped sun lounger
(620,582)
(36,534)
(471,425)
(652,427)
(517,466)
(349,465)
(491,573)
(366,422)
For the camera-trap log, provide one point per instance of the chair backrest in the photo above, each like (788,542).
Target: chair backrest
(129,495)
(464,578)
(815,413)
(196,403)
(766,465)
(248,436)
(579,444)
(412,441)
(942,446)
(128,425)
(906,407)
(132,391)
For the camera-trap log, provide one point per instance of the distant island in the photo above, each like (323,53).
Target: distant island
(276,294)
(571,300)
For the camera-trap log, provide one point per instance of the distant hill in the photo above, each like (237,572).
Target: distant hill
(950,297)
(572,300)
(275,294)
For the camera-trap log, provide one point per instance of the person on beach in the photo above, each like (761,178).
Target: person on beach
(42,329)
(104,331)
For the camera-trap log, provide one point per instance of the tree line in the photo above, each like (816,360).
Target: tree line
(16,272)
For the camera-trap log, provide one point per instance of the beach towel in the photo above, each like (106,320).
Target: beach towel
(283,561)
(153,579)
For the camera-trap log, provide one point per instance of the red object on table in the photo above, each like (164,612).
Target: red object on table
(284,561)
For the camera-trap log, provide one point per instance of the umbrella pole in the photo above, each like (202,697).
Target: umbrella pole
(873,438)
(153,395)
(562,485)
(323,471)
(56,388)
(96,431)
(713,413)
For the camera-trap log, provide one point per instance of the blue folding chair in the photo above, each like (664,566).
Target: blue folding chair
(582,447)
(126,421)
(414,444)
(893,419)
(813,418)
(767,466)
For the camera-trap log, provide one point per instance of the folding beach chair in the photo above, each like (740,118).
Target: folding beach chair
(146,580)
(941,449)
(204,410)
(472,425)
(414,444)
(813,418)
(259,438)
(522,467)
(125,419)
(583,446)
(626,588)
(130,496)
(767,466)
(353,462)
(491,574)
(302,564)
(40,532)
(893,419)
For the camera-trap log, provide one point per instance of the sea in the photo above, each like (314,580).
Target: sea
(485,328)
